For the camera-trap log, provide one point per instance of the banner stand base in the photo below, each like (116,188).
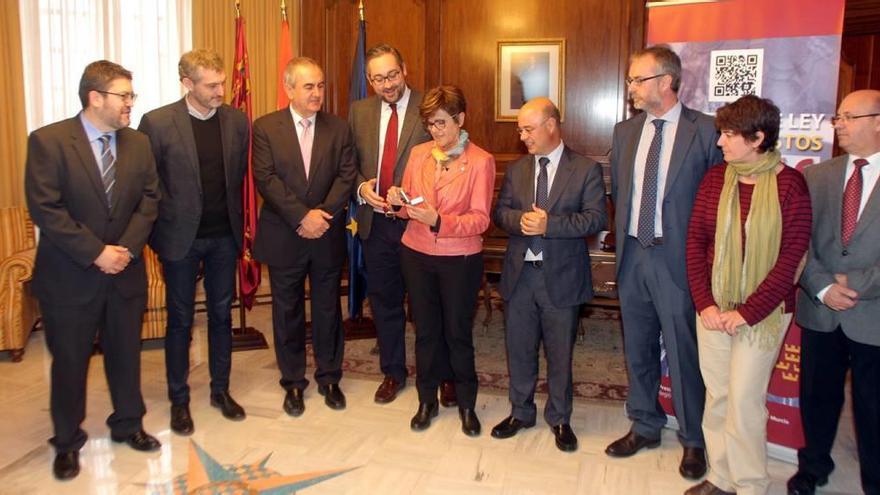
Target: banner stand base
(248,339)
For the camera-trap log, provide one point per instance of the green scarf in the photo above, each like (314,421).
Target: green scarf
(736,275)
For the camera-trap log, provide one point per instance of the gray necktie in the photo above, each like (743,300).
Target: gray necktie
(108,166)
(648,208)
(541,200)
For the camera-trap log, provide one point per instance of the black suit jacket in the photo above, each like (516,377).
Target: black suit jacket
(177,162)
(280,177)
(576,210)
(364,118)
(66,200)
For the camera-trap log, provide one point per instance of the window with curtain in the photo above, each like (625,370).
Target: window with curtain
(61,37)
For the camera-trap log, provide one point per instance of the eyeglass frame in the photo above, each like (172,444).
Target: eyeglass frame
(521,130)
(638,80)
(380,80)
(433,123)
(126,97)
(846,118)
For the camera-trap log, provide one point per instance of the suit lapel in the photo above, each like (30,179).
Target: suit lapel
(563,172)
(226,139)
(124,158)
(630,146)
(320,146)
(374,121)
(410,120)
(835,194)
(184,129)
(289,140)
(527,181)
(80,142)
(684,136)
(871,211)
(457,169)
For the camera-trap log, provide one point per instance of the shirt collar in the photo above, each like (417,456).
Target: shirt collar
(670,116)
(92,132)
(554,156)
(873,160)
(195,113)
(297,117)
(401,103)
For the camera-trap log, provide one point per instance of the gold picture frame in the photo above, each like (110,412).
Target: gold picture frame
(525,69)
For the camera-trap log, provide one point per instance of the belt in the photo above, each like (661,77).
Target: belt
(656,242)
(535,263)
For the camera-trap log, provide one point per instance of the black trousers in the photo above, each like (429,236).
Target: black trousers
(289,319)
(70,337)
(443,292)
(825,359)
(386,290)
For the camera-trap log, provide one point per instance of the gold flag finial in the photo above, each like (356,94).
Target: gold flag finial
(361,9)
(283,11)
(237,9)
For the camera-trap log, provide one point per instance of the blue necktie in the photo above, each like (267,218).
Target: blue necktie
(541,200)
(648,208)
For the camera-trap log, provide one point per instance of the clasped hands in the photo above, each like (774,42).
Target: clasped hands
(714,319)
(113,259)
(839,296)
(424,212)
(534,222)
(314,224)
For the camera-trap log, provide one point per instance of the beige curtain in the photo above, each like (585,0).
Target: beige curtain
(13,127)
(214,27)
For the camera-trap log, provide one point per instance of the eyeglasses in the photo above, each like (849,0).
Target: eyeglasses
(439,124)
(846,118)
(528,129)
(640,79)
(392,76)
(126,97)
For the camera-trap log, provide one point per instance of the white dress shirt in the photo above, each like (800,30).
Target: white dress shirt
(554,157)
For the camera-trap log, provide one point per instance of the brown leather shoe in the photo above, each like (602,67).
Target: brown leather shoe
(706,488)
(447,394)
(693,463)
(629,444)
(388,390)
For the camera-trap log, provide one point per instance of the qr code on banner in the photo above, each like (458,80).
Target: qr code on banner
(735,73)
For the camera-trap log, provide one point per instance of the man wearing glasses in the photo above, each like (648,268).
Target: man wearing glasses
(839,302)
(386,127)
(657,162)
(92,189)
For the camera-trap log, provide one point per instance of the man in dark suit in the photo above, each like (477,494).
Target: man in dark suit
(839,304)
(201,148)
(304,167)
(657,162)
(550,201)
(386,127)
(92,189)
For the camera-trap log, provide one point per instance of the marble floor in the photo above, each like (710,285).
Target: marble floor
(374,440)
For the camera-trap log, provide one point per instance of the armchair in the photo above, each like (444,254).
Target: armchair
(19,310)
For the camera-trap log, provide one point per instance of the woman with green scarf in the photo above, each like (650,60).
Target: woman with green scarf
(446,194)
(748,234)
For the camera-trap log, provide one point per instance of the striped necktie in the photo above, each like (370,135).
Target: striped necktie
(108,167)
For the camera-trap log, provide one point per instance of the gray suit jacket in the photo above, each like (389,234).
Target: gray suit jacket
(577,210)
(364,120)
(177,162)
(860,261)
(693,152)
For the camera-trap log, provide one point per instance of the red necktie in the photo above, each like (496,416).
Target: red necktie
(852,198)
(389,153)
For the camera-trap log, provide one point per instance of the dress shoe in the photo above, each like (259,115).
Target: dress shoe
(693,463)
(293,402)
(388,390)
(629,444)
(509,427)
(470,425)
(423,416)
(139,440)
(228,406)
(566,441)
(447,394)
(333,396)
(804,483)
(66,465)
(181,420)
(706,488)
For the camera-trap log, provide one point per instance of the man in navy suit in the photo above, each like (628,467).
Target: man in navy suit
(551,200)
(658,159)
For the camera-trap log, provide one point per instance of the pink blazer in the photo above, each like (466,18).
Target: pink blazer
(462,197)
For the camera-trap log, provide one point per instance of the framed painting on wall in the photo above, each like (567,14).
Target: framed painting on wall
(526,69)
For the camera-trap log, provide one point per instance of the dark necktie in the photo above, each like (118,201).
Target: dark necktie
(389,153)
(541,201)
(648,208)
(108,166)
(852,198)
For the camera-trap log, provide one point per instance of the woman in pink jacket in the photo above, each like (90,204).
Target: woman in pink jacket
(446,194)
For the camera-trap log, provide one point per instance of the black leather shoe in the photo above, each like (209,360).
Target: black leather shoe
(509,427)
(139,440)
(804,483)
(706,488)
(566,441)
(293,402)
(228,406)
(629,444)
(470,425)
(447,394)
(423,416)
(66,465)
(333,396)
(181,420)
(693,463)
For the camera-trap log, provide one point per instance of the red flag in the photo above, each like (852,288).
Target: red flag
(248,269)
(284,55)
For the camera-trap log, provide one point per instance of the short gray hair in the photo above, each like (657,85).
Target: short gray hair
(295,63)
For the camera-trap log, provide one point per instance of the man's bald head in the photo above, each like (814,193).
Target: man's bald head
(858,123)
(538,126)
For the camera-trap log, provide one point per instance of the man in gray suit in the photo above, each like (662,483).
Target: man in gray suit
(839,304)
(657,162)
(386,127)
(201,148)
(551,200)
